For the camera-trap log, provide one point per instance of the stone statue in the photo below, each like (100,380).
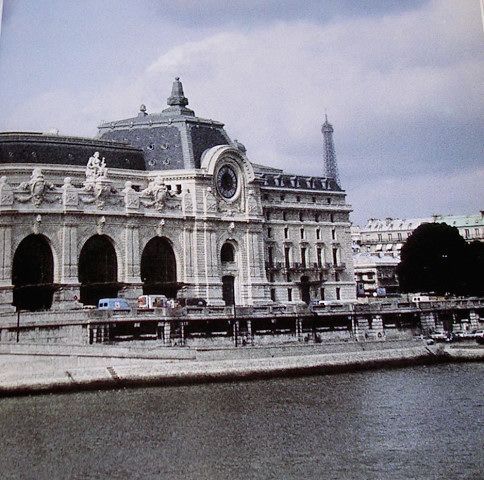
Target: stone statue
(131,197)
(157,191)
(96,168)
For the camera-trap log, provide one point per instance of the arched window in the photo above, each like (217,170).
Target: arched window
(33,274)
(158,268)
(227,253)
(98,270)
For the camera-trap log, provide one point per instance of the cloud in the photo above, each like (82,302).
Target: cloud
(401,90)
(419,196)
(256,12)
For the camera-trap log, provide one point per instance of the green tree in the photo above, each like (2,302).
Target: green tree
(434,259)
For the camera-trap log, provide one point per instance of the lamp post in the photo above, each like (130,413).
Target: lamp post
(235,322)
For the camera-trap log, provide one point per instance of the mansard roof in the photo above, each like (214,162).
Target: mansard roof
(35,147)
(172,139)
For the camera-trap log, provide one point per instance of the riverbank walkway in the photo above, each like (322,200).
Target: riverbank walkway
(34,369)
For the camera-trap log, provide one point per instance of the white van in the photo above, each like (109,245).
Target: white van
(149,302)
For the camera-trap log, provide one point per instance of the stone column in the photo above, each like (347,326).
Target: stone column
(474,320)
(133,287)
(235,332)
(377,327)
(361,327)
(6,287)
(250,337)
(167,333)
(182,333)
(428,322)
(189,254)
(256,282)
(68,294)
(213,282)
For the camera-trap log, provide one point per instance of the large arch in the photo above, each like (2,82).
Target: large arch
(158,268)
(33,274)
(98,270)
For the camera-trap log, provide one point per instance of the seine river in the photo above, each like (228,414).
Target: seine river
(411,423)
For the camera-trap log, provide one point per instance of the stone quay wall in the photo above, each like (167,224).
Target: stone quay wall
(246,326)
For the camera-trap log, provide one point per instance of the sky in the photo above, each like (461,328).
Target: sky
(401,82)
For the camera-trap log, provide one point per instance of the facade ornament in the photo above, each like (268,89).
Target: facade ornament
(36,224)
(159,228)
(158,193)
(100,225)
(231,227)
(70,196)
(36,186)
(252,203)
(131,197)
(6,192)
(187,203)
(210,201)
(97,182)
(96,168)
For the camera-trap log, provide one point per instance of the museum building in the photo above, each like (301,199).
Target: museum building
(166,203)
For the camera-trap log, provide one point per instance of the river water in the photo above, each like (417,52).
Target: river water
(410,423)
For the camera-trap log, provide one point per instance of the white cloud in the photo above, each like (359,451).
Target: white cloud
(271,84)
(419,196)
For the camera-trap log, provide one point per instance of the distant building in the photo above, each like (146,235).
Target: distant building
(377,246)
(375,275)
(388,236)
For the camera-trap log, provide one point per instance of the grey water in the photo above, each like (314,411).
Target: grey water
(410,423)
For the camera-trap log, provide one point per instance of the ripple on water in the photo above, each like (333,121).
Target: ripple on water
(419,423)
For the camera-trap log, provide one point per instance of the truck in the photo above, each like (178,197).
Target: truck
(150,302)
(114,304)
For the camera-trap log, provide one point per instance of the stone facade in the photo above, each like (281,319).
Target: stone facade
(287,237)
(376,275)
(387,236)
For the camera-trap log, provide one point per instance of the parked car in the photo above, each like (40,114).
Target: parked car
(478,334)
(114,304)
(191,302)
(440,337)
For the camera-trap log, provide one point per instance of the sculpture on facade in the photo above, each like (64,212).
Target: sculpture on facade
(131,197)
(158,192)
(97,182)
(210,201)
(36,186)
(96,168)
(70,196)
(6,192)
(252,203)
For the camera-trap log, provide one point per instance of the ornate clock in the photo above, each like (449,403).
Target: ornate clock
(227,182)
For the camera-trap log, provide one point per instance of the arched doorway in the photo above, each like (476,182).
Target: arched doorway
(158,268)
(228,290)
(33,274)
(98,270)
(305,289)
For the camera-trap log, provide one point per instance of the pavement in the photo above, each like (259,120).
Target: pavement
(42,369)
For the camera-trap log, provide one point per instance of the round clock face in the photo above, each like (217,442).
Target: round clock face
(227,182)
